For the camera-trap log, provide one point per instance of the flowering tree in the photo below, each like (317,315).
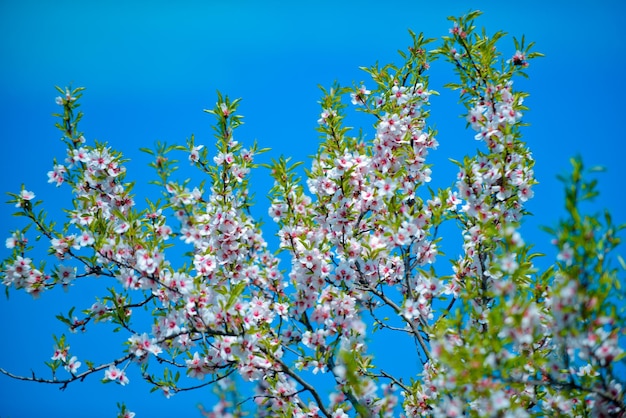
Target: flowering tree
(495,334)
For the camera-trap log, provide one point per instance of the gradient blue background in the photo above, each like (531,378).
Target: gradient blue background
(151,67)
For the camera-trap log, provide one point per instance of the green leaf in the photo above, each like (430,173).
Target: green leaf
(235,292)
(621,261)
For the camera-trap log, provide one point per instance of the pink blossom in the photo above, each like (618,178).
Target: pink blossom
(12,241)
(85,239)
(566,254)
(98,309)
(196,367)
(148,261)
(66,274)
(25,196)
(326,114)
(360,96)
(519,59)
(60,353)
(140,345)
(509,263)
(115,374)
(194,155)
(72,365)
(57,175)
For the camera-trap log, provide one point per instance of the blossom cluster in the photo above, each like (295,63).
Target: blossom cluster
(361,238)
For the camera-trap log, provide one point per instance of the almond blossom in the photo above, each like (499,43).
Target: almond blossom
(203,299)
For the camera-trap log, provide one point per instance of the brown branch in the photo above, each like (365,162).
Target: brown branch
(397,309)
(74,377)
(394,380)
(574,386)
(285,369)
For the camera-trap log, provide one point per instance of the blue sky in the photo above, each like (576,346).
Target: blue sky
(151,67)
